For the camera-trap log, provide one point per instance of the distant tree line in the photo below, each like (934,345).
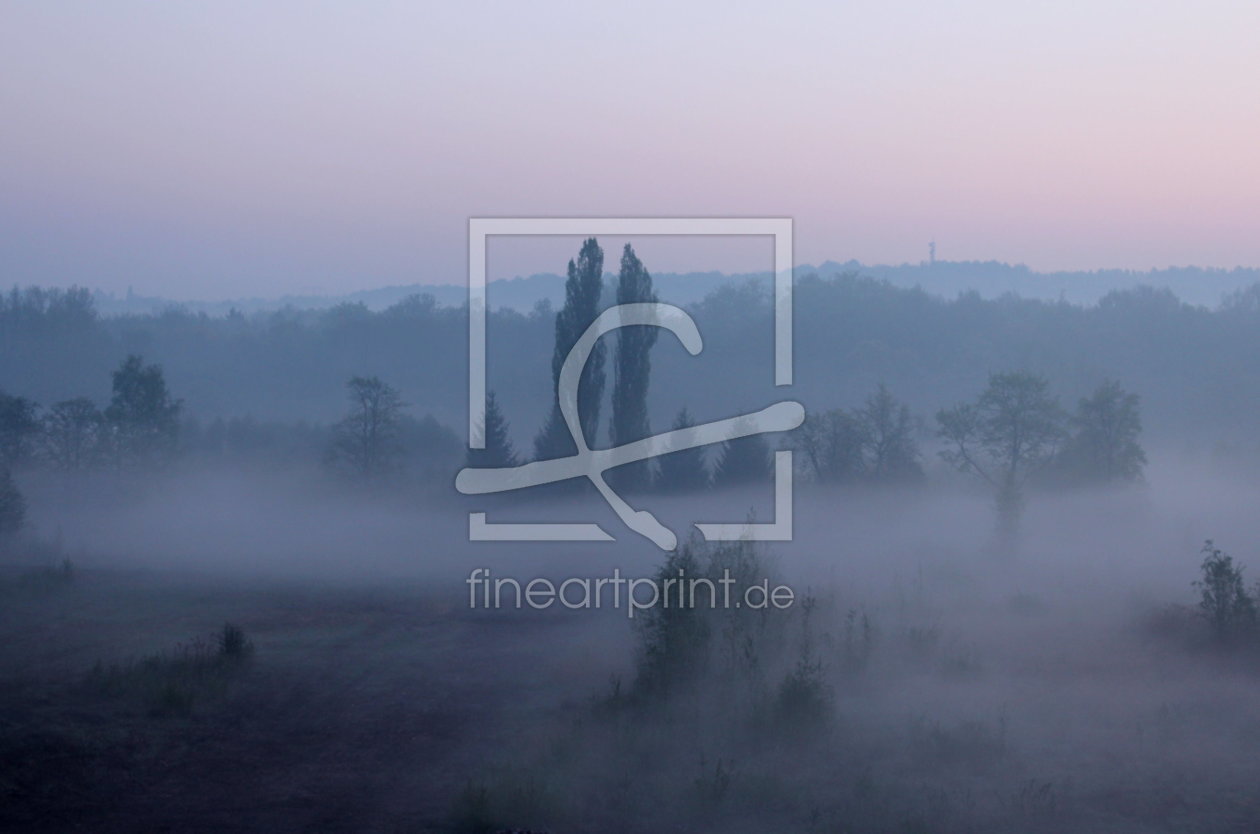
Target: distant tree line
(1192,364)
(142,426)
(138,428)
(286,368)
(873,444)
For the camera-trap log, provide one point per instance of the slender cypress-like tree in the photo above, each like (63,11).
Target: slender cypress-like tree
(498,451)
(631,370)
(582,292)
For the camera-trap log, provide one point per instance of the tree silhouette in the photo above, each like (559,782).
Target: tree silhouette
(631,370)
(743,460)
(874,444)
(1011,432)
(582,291)
(888,431)
(74,434)
(366,441)
(19,426)
(682,470)
(832,446)
(143,419)
(1105,447)
(1224,600)
(498,451)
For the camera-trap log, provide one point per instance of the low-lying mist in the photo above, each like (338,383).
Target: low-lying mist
(929,676)
(1135,539)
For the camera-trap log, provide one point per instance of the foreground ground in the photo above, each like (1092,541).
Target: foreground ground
(398,709)
(358,710)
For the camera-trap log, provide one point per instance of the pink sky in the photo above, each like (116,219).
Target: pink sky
(203,150)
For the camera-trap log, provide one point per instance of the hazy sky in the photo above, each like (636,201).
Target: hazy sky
(203,150)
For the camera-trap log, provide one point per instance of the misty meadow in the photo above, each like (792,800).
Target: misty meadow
(599,418)
(236,596)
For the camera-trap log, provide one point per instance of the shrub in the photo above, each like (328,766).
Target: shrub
(804,698)
(502,803)
(704,634)
(233,643)
(169,683)
(673,638)
(1224,601)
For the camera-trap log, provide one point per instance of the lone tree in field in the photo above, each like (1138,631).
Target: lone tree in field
(366,441)
(582,292)
(498,451)
(142,417)
(12,505)
(19,426)
(631,370)
(74,434)
(682,470)
(1008,434)
(1105,447)
(743,460)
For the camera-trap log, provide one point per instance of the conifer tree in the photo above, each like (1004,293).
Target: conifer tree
(743,460)
(498,451)
(683,470)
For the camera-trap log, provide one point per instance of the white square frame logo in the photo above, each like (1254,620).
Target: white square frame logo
(480,229)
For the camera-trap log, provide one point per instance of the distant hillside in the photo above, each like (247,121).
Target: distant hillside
(990,279)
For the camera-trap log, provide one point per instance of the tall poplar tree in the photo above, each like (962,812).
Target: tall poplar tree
(631,370)
(582,292)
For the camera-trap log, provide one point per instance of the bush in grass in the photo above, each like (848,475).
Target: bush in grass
(1224,601)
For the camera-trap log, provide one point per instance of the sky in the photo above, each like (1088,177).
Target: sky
(206,150)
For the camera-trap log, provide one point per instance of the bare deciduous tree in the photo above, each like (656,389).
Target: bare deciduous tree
(366,441)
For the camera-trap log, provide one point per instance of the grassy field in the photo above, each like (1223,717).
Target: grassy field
(356,710)
(1072,689)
